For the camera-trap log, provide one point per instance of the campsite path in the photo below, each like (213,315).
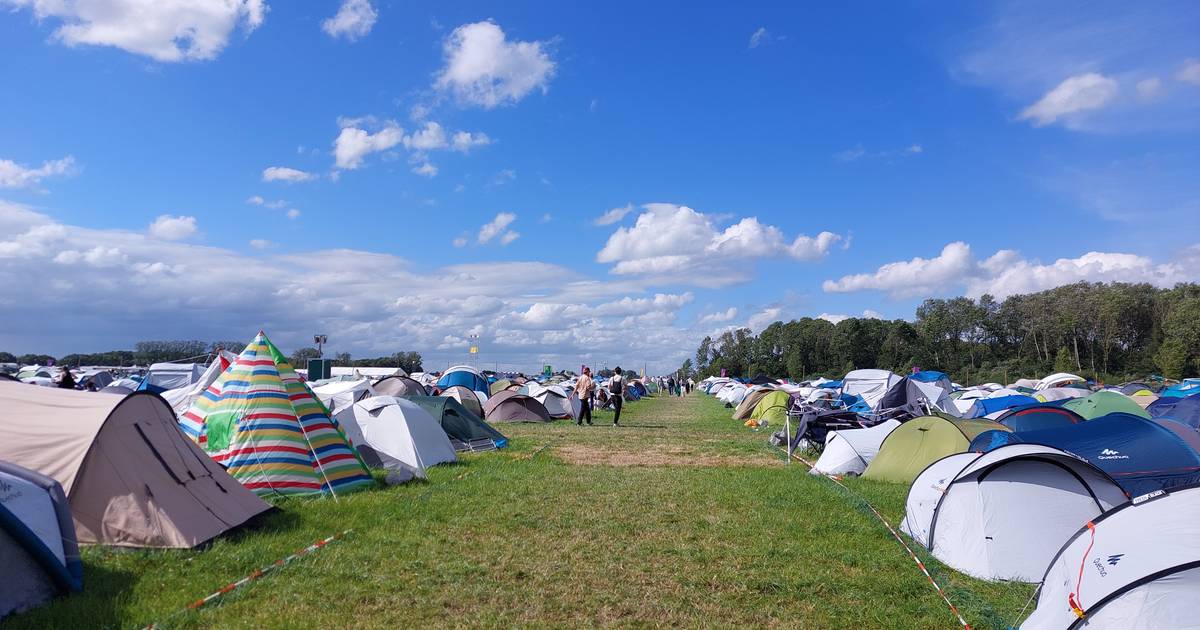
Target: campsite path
(683,517)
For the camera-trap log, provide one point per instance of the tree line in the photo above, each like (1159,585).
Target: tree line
(1112,332)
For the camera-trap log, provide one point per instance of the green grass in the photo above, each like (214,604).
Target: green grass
(701,523)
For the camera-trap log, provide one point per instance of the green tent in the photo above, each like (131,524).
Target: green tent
(1103,403)
(463,427)
(773,407)
(919,442)
(498,386)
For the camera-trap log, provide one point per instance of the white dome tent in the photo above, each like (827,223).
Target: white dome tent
(396,434)
(1136,567)
(1001,515)
(848,452)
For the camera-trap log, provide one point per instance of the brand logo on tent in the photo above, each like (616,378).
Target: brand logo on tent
(1115,558)
(1109,453)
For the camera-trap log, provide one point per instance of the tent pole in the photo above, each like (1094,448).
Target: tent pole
(787,433)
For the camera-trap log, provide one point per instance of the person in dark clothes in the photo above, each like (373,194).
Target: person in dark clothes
(67,381)
(616,390)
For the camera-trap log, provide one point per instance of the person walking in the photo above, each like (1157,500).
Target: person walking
(616,391)
(584,388)
(670,385)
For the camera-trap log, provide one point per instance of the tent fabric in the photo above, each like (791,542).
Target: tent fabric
(1103,403)
(163,376)
(870,385)
(749,402)
(339,396)
(560,403)
(465,397)
(773,407)
(399,386)
(1185,410)
(398,435)
(1060,379)
(510,406)
(929,376)
(849,451)
(1061,393)
(38,549)
(1139,454)
(987,406)
(1038,416)
(1140,568)
(462,427)
(1189,387)
(181,398)
(922,441)
(132,479)
(920,395)
(465,376)
(1004,514)
(499,386)
(270,431)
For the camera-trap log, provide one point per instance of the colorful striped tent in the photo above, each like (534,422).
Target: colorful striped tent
(263,424)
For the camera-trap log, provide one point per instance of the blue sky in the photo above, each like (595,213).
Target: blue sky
(942,149)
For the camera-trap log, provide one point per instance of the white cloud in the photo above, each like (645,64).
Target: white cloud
(258,200)
(293,213)
(353,20)
(677,241)
(1148,89)
(614,215)
(99,257)
(546,218)
(425,169)
(169,228)
(286,174)
(764,318)
(262,243)
(164,30)
(858,152)
(957,270)
(872,314)
(461,241)
(498,227)
(1075,94)
(719,317)
(354,144)
(760,37)
(484,69)
(833,318)
(1190,72)
(13,175)
(504,176)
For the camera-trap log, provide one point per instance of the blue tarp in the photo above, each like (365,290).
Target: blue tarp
(1184,410)
(830,385)
(929,376)
(1141,455)
(984,406)
(1038,417)
(1189,387)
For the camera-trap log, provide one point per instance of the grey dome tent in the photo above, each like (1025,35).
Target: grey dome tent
(37,540)
(509,406)
(396,434)
(1136,566)
(402,386)
(132,478)
(465,430)
(1002,515)
(465,397)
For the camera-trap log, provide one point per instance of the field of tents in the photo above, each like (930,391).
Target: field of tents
(239,493)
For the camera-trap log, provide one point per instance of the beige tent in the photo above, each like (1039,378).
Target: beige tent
(746,407)
(131,477)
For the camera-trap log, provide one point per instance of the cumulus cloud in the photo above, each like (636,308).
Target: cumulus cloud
(169,228)
(353,20)
(460,241)
(835,318)
(483,68)
(425,169)
(498,227)
(164,30)
(262,243)
(1075,94)
(719,317)
(957,270)
(764,318)
(614,215)
(293,213)
(677,241)
(13,175)
(286,174)
(355,142)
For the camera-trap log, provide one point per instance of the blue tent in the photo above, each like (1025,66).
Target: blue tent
(1185,410)
(929,376)
(463,377)
(830,385)
(985,406)
(1189,387)
(1039,416)
(1140,454)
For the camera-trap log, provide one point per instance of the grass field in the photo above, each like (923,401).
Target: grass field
(683,517)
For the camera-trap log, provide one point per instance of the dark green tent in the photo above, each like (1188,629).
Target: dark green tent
(466,431)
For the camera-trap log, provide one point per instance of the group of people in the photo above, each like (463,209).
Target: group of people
(675,387)
(585,389)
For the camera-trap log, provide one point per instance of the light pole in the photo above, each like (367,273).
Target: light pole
(320,340)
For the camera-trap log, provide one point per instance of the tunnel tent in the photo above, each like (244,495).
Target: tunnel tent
(38,549)
(263,423)
(498,386)
(402,386)
(849,451)
(1003,514)
(921,441)
(750,400)
(1103,403)
(1060,379)
(467,432)
(1038,416)
(1140,568)
(397,435)
(1140,454)
(465,397)
(510,406)
(559,403)
(132,479)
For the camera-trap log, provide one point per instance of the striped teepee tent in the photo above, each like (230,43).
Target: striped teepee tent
(263,424)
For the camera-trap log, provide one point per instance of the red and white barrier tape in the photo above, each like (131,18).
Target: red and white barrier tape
(896,535)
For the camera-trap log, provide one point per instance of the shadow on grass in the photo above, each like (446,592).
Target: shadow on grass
(105,590)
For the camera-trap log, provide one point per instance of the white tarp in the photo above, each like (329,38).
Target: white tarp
(870,384)
(1156,536)
(173,375)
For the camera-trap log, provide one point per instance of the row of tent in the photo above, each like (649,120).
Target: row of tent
(1093,494)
